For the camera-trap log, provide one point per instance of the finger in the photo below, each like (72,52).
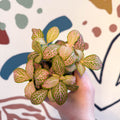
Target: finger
(78,77)
(84,83)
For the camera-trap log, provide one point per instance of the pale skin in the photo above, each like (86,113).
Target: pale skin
(80,104)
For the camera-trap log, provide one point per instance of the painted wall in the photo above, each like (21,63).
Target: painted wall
(99,23)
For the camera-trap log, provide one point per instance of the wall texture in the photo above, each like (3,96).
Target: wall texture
(99,23)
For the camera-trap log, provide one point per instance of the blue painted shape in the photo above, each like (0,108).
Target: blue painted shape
(12,64)
(63,23)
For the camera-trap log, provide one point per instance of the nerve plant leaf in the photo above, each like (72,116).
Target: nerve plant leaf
(20,75)
(79,53)
(29,89)
(71,68)
(52,34)
(38,96)
(92,61)
(50,96)
(38,36)
(79,44)
(72,87)
(72,37)
(71,59)
(81,69)
(32,55)
(36,66)
(36,46)
(38,58)
(30,68)
(50,82)
(68,79)
(60,42)
(40,76)
(65,51)
(58,65)
(50,51)
(59,93)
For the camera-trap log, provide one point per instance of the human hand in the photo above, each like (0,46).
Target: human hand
(80,104)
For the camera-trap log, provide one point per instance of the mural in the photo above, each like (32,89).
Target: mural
(65,22)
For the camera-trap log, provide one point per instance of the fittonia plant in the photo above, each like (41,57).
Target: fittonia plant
(50,66)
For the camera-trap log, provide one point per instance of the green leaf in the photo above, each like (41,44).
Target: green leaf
(41,75)
(39,96)
(92,61)
(71,68)
(50,51)
(50,96)
(51,71)
(32,55)
(44,46)
(20,75)
(38,36)
(79,53)
(69,79)
(71,59)
(60,42)
(59,93)
(29,89)
(36,66)
(36,46)
(50,82)
(72,87)
(38,58)
(79,44)
(72,37)
(52,34)
(58,65)
(81,69)
(30,68)
(65,51)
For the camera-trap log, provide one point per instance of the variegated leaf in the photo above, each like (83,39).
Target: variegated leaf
(50,96)
(40,76)
(52,34)
(65,51)
(38,58)
(81,69)
(32,55)
(36,66)
(69,79)
(38,36)
(58,65)
(72,87)
(51,71)
(92,61)
(72,37)
(44,46)
(50,82)
(71,59)
(36,46)
(79,44)
(60,42)
(59,93)
(30,68)
(29,89)
(50,51)
(20,75)
(39,96)
(79,53)
(71,68)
